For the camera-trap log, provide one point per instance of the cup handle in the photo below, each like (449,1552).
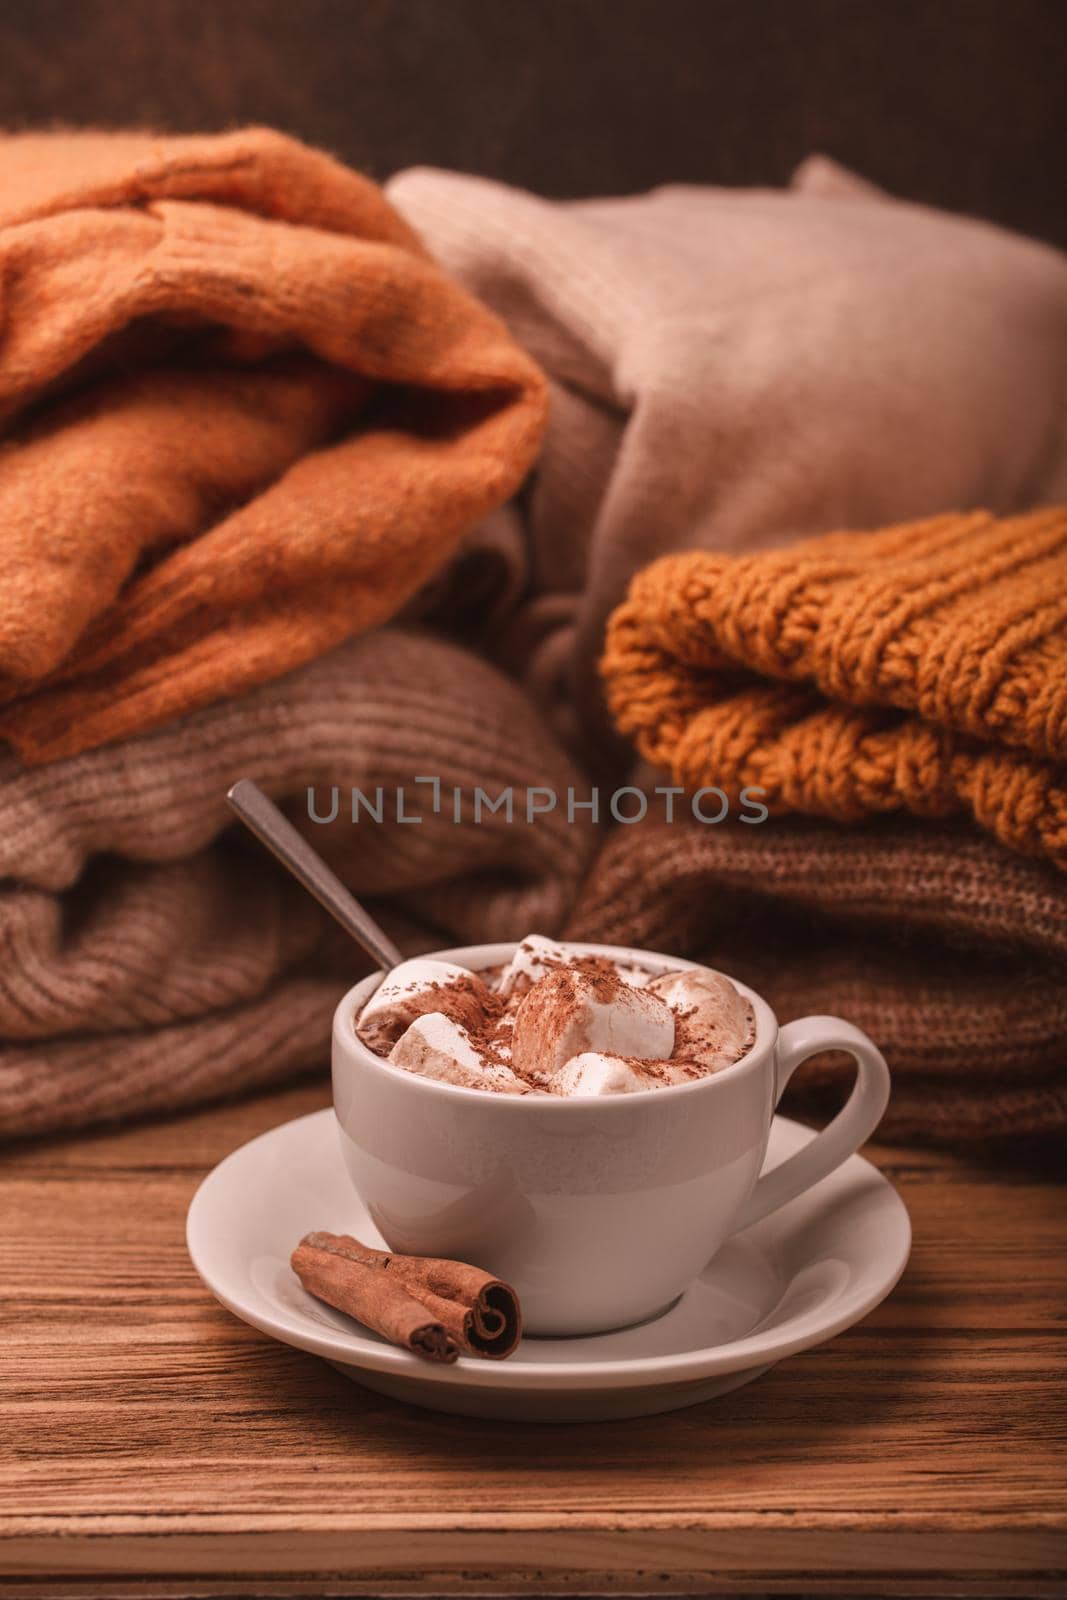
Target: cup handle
(854,1123)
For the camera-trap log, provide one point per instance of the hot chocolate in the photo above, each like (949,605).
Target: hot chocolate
(555,1022)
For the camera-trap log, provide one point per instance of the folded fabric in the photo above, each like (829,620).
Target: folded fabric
(243,416)
(736,369)
(921,669)
(146,963)
(950,951)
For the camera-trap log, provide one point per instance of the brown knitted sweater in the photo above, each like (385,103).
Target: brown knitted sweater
(950,951)
(152,957)
(922,669)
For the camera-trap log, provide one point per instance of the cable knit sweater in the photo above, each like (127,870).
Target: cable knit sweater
(922,668)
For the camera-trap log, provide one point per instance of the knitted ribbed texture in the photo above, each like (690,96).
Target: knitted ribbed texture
(249,418)
(737,369)
(146,963)
(922,668)
(948,950)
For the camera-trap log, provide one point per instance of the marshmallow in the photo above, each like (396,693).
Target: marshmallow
(715,1024)
(557,1022)
(592,1073)
(536,956)
(403,994)
(530,962)
(636,977)
(572,1011)
(435,1046)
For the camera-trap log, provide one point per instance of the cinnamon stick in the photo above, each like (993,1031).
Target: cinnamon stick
(431,1306)
(358,1286)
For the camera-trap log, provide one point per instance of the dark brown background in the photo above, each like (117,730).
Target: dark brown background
(958,102)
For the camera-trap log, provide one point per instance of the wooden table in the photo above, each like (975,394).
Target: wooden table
(153,1445)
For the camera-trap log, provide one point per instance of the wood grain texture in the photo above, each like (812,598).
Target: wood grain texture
(152,1444)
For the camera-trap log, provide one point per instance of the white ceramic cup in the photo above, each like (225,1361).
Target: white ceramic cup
(600,1211)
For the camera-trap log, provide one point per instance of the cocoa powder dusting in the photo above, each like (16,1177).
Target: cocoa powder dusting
(465,1000)
(555,1006)
(488,1018)
(702,1048)
(469,1003)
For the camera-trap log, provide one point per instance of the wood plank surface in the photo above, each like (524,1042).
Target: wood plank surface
(153,1445)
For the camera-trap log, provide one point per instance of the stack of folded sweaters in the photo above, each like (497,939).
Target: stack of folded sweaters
(330,488)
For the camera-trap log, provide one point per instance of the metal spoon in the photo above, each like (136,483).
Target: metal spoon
(271,828)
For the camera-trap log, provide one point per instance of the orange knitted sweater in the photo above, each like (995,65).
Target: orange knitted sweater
(243,415)
(920,668)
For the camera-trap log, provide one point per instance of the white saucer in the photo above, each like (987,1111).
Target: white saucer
(789,1282)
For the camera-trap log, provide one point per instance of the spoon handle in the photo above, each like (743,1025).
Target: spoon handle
(262,817)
